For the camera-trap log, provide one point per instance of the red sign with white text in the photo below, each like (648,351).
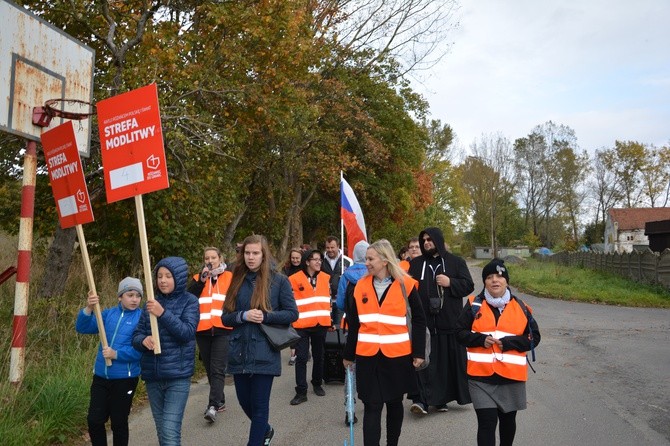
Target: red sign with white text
(66,176)
(131,143)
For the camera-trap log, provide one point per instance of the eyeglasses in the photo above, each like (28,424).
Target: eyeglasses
(427,239)
(316,260)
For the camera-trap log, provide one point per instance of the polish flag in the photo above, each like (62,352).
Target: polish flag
(352,216)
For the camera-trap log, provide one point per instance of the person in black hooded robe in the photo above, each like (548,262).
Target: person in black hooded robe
(444,281)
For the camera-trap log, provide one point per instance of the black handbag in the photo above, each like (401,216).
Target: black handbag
(280,336)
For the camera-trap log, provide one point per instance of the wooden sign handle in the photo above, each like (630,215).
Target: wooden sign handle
(148,279)
(91,286)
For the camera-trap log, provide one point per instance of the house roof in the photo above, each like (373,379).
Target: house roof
(635,218)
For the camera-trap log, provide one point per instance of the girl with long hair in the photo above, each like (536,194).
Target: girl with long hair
(257,295)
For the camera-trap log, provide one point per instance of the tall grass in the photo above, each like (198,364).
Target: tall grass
(548,279)
(49,406)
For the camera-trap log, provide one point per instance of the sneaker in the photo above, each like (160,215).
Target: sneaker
(292,360)
(319,391)
(442,408)
(221,407)
(299,398)
(418,408)
(210,414)
(346,419)
(268,437)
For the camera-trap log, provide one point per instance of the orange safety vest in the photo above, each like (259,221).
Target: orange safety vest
(313,304)
(511,364)
(211,301)
(382,327)
(404,264)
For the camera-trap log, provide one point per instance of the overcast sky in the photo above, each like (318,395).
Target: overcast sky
(601,67)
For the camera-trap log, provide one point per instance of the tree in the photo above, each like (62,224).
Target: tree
(626,160)
(604,186)
(572,171)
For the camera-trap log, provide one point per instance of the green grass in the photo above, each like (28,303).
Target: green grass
(49,406)
(548,279)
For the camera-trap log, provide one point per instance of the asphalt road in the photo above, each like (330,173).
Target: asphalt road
(603,378)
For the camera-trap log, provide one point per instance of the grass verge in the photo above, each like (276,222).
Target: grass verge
(548,279)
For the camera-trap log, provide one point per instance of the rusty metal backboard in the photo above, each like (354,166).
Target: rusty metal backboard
(39,62)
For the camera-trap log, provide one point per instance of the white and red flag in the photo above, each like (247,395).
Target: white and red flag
(352,216)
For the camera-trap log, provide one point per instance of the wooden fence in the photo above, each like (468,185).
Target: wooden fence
(641,266)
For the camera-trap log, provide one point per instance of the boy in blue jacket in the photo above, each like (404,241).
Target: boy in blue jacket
(113,387)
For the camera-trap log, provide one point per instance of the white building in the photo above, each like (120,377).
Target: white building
(624,228)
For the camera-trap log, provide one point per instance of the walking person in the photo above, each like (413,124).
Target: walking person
(380,342)
(444,281)
(256,295)
(211,285)
(498,329)
(113,387)
(311,288)
(167,375)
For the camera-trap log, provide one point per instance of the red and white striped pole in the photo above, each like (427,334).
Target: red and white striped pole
(20,327)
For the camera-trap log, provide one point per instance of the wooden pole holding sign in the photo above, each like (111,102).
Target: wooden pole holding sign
(148,278)
(91,286)
(133,158)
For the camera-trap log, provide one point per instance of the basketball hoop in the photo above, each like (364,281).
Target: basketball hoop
(73,109)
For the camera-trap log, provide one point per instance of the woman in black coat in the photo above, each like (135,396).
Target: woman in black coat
(386,351)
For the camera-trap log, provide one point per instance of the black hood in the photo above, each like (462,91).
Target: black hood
(438,240)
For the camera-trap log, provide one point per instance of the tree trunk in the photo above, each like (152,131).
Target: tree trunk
(59,259)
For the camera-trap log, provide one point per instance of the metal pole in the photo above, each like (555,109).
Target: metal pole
(20,322)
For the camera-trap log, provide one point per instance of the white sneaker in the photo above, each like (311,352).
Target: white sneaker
(210,415)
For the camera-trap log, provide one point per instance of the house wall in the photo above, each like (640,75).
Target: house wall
(626,240)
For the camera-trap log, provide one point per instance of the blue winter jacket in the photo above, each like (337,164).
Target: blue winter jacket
(119,327)
(176,328)
(249,351)
(351,275)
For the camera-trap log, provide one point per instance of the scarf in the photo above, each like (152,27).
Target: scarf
(498,302)
(214,273)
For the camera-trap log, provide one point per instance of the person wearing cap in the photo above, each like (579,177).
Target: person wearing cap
(497,328)
(113,387)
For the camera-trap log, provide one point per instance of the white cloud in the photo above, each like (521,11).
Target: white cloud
(600,67)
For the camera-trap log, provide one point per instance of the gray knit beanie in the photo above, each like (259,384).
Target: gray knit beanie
(130,284)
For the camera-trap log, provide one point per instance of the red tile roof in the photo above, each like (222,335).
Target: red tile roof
(635,218)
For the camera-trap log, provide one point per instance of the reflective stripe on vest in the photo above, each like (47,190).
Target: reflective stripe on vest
(211,301)
(313,304)
(382,327)
(510,364)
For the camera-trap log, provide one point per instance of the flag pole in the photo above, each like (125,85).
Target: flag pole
(341,225)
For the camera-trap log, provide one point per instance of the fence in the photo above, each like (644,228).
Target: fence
(641,266)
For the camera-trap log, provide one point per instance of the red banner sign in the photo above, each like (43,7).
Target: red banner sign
(131,142)
(66,176)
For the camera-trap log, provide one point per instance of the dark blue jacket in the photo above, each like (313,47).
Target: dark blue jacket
(119,327)
(249,351)
(176,328)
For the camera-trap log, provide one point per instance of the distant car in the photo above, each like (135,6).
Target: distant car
(544,251)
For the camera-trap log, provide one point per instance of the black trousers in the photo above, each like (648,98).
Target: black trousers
(317,336)
(487,419)
(110,399)
(372,422)
(214,355)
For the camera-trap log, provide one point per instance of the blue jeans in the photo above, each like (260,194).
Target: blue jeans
(168,400)
(253,393)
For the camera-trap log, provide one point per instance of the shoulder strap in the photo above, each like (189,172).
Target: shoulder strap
(529,317)
(476,305)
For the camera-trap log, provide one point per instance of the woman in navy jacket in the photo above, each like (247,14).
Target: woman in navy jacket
(256,295)
(168,375)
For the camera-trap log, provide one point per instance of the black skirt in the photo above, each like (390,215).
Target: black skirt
(380,379)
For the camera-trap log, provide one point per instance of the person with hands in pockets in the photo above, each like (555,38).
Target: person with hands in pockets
(113,387)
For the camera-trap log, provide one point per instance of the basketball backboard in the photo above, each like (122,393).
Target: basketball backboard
(39,62)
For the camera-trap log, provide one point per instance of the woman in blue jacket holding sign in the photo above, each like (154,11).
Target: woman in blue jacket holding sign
(256,295)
